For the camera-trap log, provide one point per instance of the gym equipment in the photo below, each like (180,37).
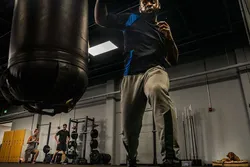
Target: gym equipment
(48,158)
(99,158)
(48,58)
(59,127)
(74,135)
(71,154)
(82,161)
(46,149)
(74,128)
(105,158)
(94,157)
(94,133)
(191,132)
(72,144)
(184,131)
(93,144)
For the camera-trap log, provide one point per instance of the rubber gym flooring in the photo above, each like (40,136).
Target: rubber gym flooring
(46,165)
(54,165)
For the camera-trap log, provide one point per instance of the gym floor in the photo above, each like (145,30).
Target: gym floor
(43,165)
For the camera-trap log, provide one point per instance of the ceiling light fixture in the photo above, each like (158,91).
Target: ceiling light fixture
(102,48)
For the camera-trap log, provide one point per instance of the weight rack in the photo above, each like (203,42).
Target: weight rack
(48,136)
(85,131)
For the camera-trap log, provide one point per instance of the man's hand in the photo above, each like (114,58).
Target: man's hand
(165,29)
(57,142)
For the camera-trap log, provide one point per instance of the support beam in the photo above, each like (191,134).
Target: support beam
(110,145)
(244,79)
(245,12)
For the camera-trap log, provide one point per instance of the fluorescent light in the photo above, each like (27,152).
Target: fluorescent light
(102,48)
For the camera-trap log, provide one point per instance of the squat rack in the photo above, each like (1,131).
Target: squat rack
(84,132)
(48,136)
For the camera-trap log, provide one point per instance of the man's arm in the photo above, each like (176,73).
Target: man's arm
(37,141)
(57,134)
(68,137)
(173,53)
(105,19)
(101,13)
(29,140)
(172,50)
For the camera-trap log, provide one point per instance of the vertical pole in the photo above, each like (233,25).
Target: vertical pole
(85,137)
(184,131)
(48,137)
(243,7)
(69,125)
(154,141)
(93,124)
(194,132)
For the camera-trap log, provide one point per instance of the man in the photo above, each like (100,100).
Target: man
(32,142)
(61,143)
(149,50)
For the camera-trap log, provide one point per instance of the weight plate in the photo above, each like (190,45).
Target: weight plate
(72,154)
(94,133)
(95,157)
(94,144)
(74,135)
(46,149)
(72,144)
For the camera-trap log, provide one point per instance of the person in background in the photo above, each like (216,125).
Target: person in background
(32,142)
(149,49)
(61,143)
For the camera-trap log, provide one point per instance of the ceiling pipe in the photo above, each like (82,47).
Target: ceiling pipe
(245,19)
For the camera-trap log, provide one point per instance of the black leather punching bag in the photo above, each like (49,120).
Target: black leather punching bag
(48,55)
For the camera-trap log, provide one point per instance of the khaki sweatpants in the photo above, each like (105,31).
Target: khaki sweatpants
(136,90)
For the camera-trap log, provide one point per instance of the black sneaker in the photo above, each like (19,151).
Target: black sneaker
(131,162)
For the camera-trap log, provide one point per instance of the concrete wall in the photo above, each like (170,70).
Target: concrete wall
(23,123)
(3,128)
(218,132)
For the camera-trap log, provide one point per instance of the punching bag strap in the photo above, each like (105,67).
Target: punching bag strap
(4,88)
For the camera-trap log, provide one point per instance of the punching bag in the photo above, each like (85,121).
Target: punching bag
(48,55)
